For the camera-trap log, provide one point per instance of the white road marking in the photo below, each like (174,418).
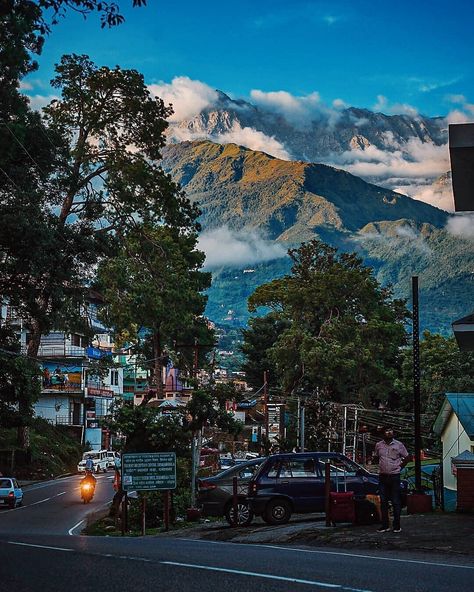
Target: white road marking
(71,530)
(266,576)
(40,546)
(337,553)
(36,503)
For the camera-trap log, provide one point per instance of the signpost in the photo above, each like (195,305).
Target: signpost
(149,471)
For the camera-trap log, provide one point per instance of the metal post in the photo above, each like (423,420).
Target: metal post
(265,395)
(235,518)
(344,430)
(302,434)
(167,510)
(193,471)
(364,451)
(298,423)
(416,383)
(143,515)
(327,491)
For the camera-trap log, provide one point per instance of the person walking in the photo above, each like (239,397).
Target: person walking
(392,456)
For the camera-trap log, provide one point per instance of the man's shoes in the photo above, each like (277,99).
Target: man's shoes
(397,530)
(383,529)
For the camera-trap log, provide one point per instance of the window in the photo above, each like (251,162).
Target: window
(114,377)
(248,472)
(273,470)
(339,466)
(299,468)
(5,483)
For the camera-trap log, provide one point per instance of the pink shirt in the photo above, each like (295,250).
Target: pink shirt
(390,456)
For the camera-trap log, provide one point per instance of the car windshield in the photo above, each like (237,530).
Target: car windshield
(91,454)
(5,483)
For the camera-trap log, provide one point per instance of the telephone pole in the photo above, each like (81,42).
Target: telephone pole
(416,382)
(265,398)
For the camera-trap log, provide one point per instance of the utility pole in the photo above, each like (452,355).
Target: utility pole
(298,422)
(265,398)
(302,434)
(416,382)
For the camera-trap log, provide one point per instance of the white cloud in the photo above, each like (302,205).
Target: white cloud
(413,159)
(243,136)
(383,105)
(440,197)
(37,102)
(461,225)
(253,139)
(25,85)
(188,97)
(404,240)
(297,110)
(230,248)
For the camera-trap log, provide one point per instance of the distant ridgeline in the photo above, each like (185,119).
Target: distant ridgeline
(289,202)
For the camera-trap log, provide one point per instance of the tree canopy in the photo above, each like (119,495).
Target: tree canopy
(344,331)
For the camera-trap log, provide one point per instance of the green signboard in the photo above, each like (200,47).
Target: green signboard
(148,471)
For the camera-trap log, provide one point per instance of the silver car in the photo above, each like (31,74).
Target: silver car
(215,494)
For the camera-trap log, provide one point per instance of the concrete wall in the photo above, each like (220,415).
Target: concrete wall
(455,440)
(50,407)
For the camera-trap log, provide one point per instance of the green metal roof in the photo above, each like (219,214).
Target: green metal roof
(462,404)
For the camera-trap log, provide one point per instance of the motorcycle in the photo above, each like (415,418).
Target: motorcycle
(87,488)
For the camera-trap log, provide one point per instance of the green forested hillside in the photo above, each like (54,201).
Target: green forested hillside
(291,202)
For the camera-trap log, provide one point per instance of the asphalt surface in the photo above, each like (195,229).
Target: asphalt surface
(37,553)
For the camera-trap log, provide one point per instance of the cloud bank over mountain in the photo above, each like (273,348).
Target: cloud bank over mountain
(231,248)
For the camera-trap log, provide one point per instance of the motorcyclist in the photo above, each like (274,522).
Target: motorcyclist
(89,463)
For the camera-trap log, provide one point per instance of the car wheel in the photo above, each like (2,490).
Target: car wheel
(277,512)
(244,513)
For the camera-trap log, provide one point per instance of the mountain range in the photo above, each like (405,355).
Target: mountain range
(259,198)
(405,151)
(312,134)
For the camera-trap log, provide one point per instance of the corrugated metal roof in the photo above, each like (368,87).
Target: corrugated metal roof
(462,404)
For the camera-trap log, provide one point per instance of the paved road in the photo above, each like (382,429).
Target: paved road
(54,507)
(37,553)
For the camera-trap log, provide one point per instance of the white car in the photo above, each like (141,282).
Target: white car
(112,458)
(99,458)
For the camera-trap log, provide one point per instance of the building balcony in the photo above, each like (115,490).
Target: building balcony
(61,351)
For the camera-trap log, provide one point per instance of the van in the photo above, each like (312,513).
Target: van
(99,458)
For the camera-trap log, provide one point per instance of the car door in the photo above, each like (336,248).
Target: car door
(18,491)
(299,480)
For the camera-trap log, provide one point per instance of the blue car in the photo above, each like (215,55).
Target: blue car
(295,483)
(11,493)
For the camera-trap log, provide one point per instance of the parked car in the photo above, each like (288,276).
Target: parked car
(11,493)
(100,459)
(215,494)
(225,462)
(295,483)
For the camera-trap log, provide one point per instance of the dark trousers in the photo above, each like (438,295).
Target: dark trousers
(389,486)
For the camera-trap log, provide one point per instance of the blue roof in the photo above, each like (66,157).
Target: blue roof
(462,404)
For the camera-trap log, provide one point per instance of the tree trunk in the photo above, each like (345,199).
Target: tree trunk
(24,402)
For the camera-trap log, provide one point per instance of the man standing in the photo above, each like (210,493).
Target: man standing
(392,456)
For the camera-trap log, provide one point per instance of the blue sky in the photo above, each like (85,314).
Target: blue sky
(417,53)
